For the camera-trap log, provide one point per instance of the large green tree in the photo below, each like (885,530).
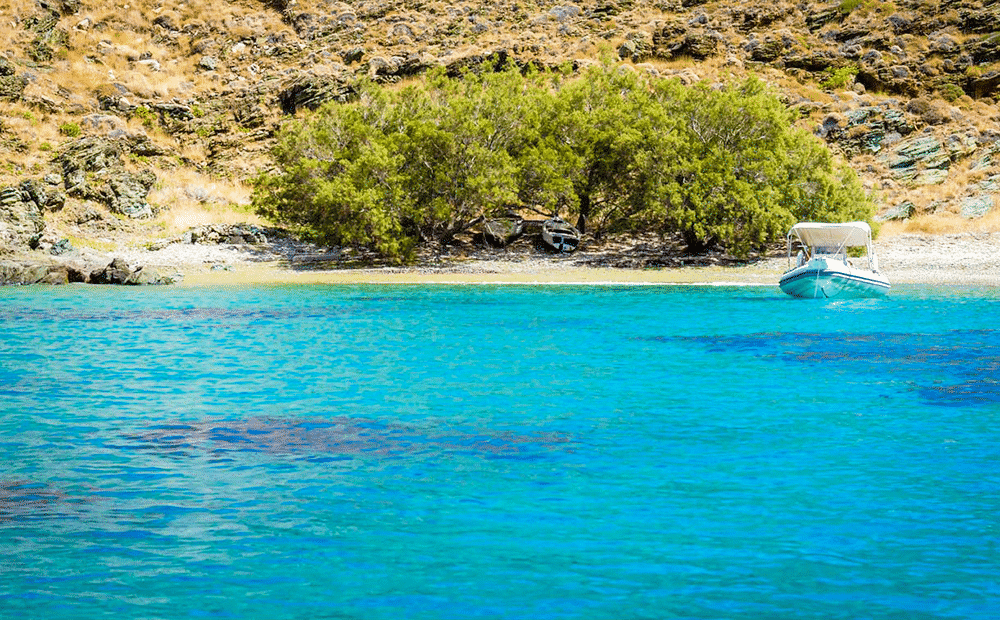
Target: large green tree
(742,173)
(720,165)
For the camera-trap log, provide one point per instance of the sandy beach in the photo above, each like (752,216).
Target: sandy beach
(968,258)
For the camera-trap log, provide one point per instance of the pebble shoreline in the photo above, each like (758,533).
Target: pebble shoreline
(968,258)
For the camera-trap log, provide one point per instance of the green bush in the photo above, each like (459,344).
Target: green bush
(144,114)
(846,6)
(951,92)
(70,129)
(840,77)
(718,166)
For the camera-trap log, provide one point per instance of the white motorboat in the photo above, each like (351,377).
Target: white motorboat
(823,268)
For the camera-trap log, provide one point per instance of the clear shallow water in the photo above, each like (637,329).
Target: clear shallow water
(498,452)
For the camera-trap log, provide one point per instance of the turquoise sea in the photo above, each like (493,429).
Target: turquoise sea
(521,452)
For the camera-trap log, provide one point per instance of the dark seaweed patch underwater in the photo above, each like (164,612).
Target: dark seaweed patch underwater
(954,368)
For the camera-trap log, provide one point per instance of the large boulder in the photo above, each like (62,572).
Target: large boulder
(310,92)
(44,192)
(22,273)
(118,271)
(922,160)
(93,169)
(677,38)
(128,192)
(866,129)
(20,218)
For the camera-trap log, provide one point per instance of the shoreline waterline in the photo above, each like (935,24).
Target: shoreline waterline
(271,274)
(750,275)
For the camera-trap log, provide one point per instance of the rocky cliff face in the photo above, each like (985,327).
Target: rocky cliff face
(102,103)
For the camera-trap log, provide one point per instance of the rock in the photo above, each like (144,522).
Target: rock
(93,170)
(177,111)
(768,50)
(868,128)
(116,272)
(20,218)
(976,206)
(77,271)
(902,211)
(88,154)
(986,50)
(678,39)
(811,62)
(820,17)
(249,114)
(310,92)
(166,22)
(26,273)
(45,194)
(208,63)
(101,122)
(564,13)
(922,160)
(751,16)
(119,272)
(980,20)
(636,47)
(61,247)
(960,145)
(355,54)
(129,191)
(148,276)
(986,85)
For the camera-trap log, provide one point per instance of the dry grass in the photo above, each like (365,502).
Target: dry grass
(188,198)
(12,32)
(942,224)
(186,214)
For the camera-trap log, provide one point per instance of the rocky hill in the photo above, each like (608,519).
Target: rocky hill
(143,118)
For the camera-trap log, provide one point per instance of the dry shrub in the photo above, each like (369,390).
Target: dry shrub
(189,199)
(942,223)
(12,32)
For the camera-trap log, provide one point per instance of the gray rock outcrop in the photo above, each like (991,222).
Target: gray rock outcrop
(20,217)
(93,169)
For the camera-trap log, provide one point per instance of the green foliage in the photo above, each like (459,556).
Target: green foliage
(719,166)
(70,129)
(846,6)
(951,92)
(840,77)
(144,114)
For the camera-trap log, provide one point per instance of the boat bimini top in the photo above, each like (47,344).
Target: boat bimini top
(822,239)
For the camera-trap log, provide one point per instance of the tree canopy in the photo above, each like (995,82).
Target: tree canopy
(720,165)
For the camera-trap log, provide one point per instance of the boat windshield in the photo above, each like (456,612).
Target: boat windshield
(827,250)
(830,240)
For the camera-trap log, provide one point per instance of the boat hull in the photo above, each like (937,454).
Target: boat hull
(827,279)
(560,236)
(501,232)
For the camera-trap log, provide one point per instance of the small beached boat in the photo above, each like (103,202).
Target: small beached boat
(560,235)
(823,268)
(500,231)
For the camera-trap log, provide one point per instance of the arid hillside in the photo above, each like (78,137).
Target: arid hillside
(142,118)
